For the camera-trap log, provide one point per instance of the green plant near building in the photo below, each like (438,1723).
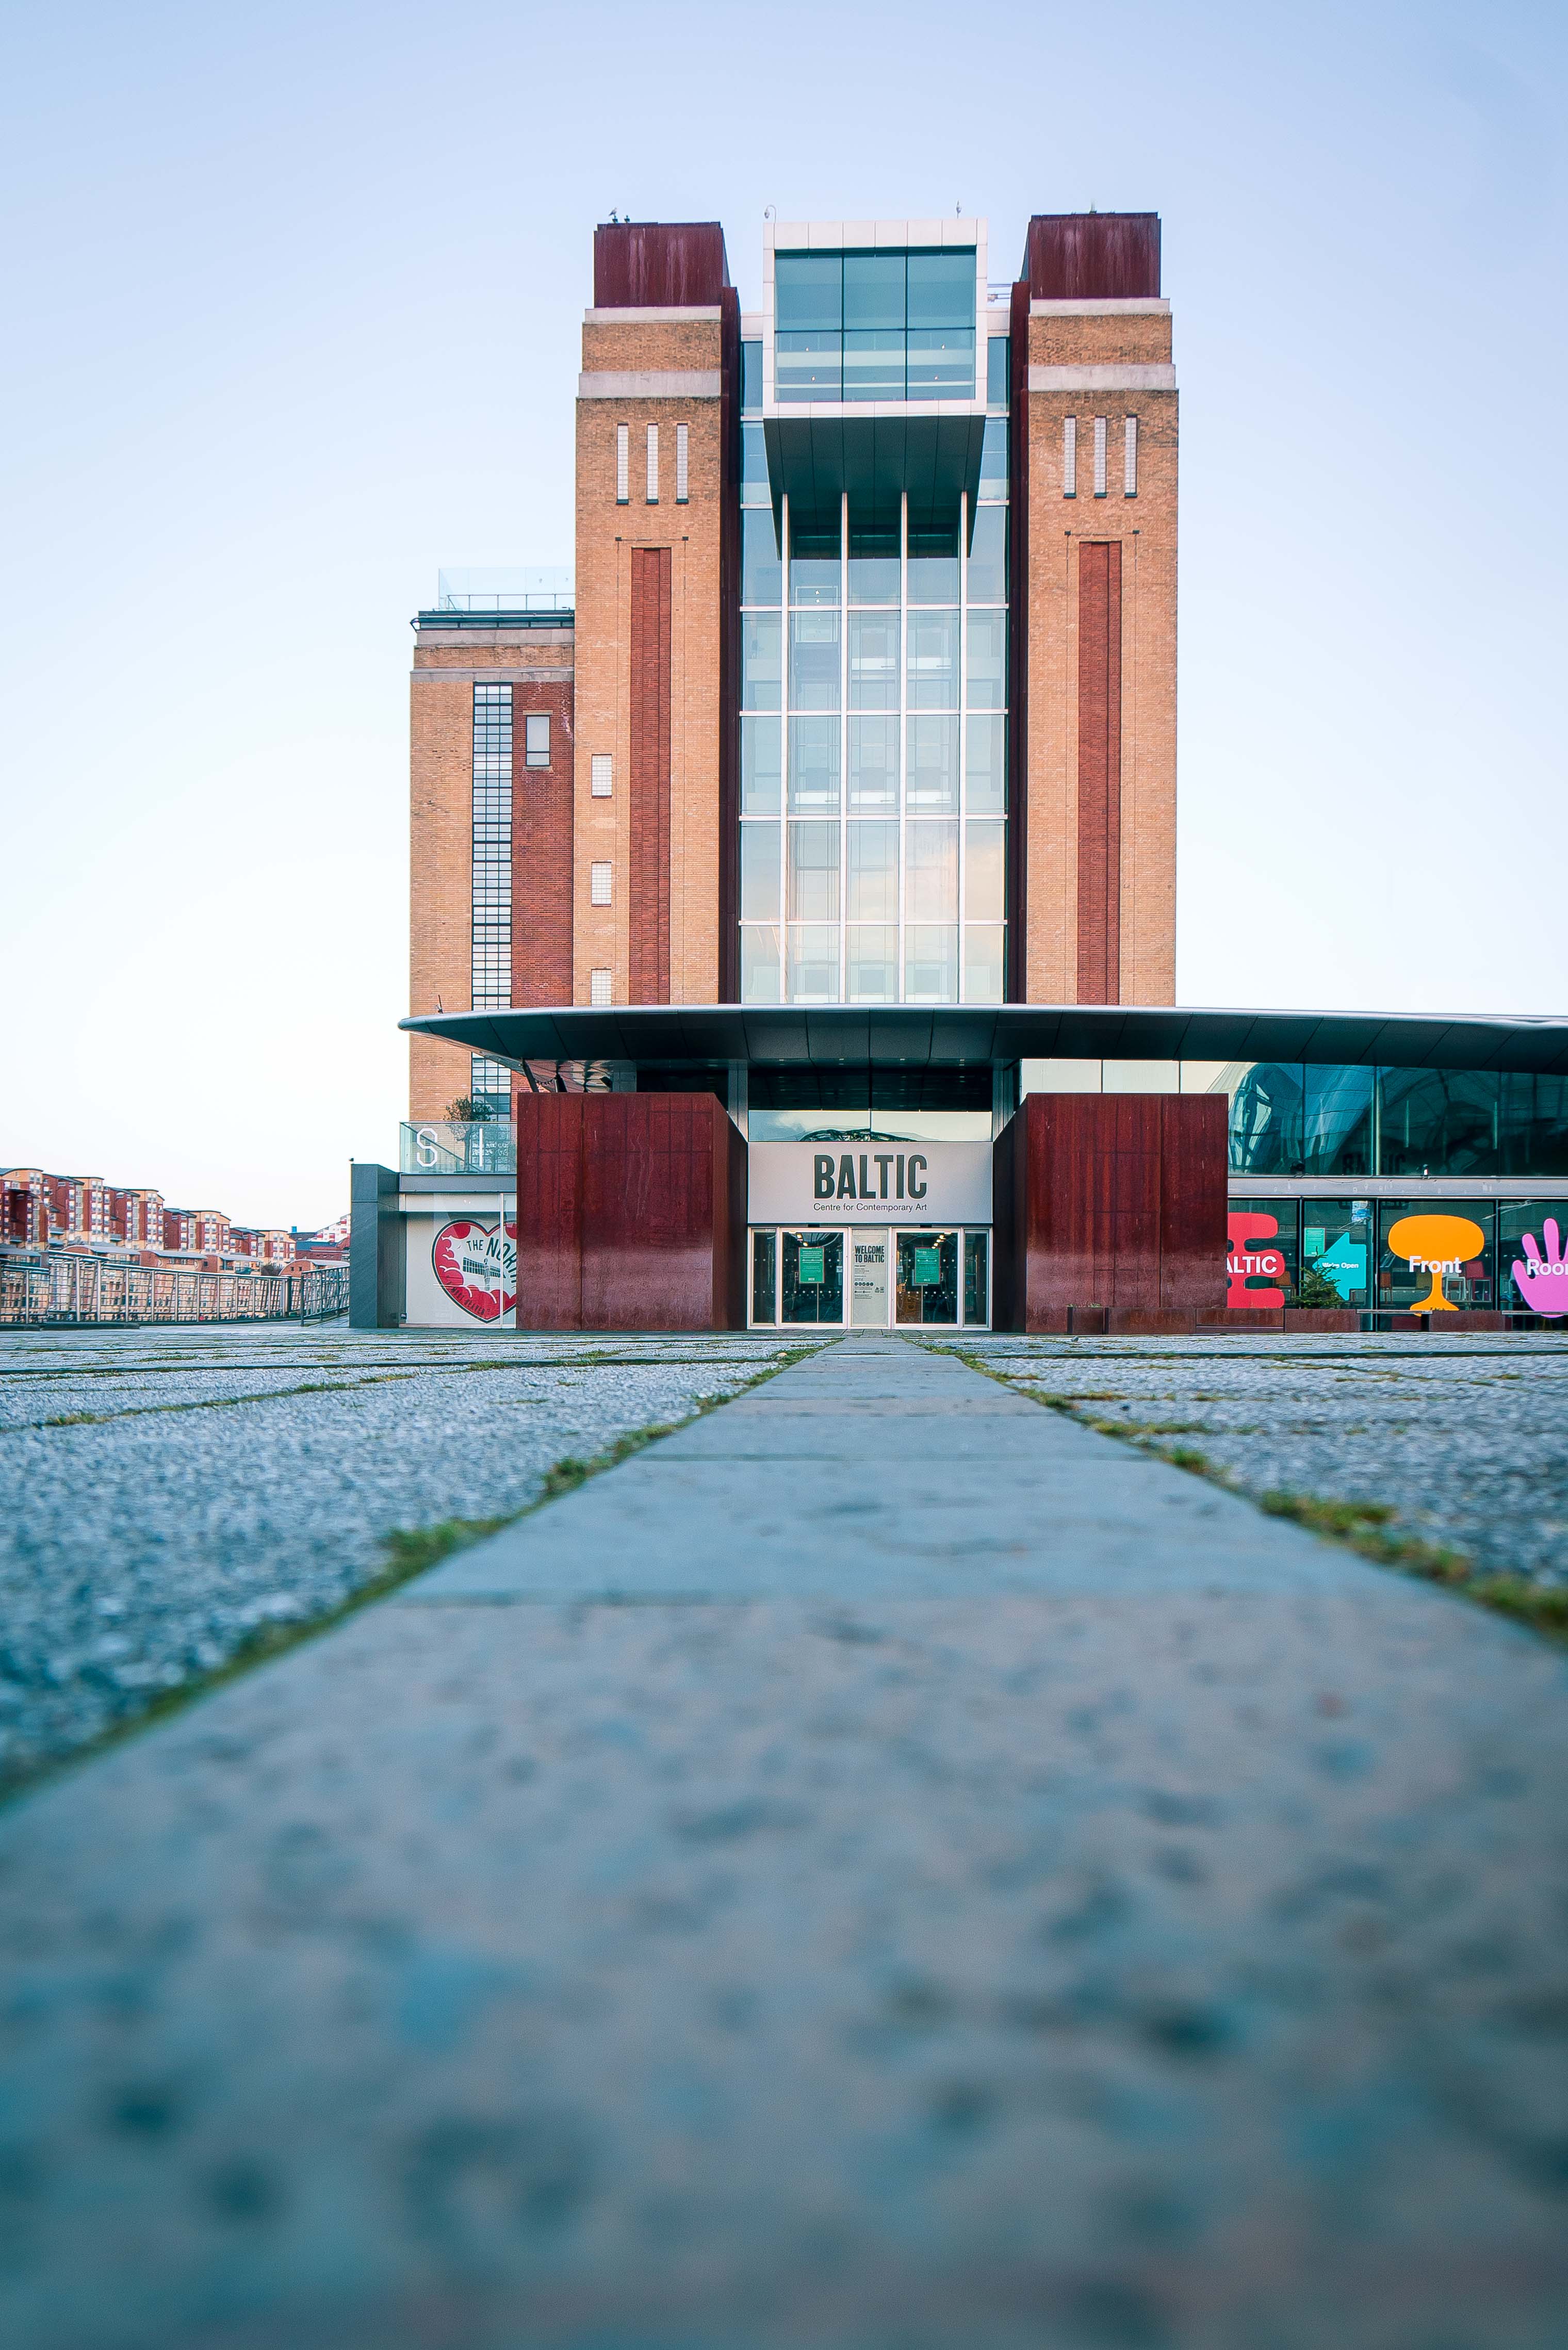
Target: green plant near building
(1314,1289)
(466,1111)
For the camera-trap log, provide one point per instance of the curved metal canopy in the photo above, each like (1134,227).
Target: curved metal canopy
(834,1035)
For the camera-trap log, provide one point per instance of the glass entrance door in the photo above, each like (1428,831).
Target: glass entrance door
(928,1277)
(811,1282)
(868,1291)
(870,1280)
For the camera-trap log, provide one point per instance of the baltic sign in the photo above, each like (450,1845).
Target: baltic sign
(869,1183)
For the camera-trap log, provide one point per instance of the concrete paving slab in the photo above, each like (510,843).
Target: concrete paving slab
(839,1969)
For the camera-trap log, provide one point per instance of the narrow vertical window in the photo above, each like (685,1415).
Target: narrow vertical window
(622,464)
(601,770)
(599,986)
(536,738)
(599,883)
(1069,456)
(681,496)
(491,880)
(1129,479)
(653,465)
(1099,456)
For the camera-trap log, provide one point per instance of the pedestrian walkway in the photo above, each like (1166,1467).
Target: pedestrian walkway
(886,1869)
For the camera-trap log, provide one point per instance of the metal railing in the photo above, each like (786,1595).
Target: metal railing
(451,1147)
(81,1291)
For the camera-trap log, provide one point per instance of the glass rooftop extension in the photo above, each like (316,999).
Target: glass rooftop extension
(875,325)
(549,588)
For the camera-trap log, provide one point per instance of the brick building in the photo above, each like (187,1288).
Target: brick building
(81,1213)
(865,691)
(831,802)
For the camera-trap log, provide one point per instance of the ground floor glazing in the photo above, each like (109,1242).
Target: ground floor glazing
(846,1278)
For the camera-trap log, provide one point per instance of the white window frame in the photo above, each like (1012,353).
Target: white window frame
(653,465)
(601,775)
(1069,456)
(600,882)
(1129,475)
(623,465)
(682,484)
(1099,456)
(535,754)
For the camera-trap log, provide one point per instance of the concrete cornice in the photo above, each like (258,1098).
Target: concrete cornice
(1114,377)
(697,317)
(541,676)
(651,383)
(1129,305)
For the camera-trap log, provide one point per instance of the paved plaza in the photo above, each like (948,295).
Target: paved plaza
(168,1495)
(884,1867)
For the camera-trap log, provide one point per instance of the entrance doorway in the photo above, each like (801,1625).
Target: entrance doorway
(877,1280)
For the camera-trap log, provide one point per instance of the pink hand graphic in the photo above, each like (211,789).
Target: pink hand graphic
(1542,1280)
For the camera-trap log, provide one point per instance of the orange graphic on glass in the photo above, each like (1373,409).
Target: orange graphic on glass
(1435,1244)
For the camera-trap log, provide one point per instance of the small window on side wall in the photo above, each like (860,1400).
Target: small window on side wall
(599,883)
(538,738)
(602,774)
(599,986)
(681,478)
(623,465)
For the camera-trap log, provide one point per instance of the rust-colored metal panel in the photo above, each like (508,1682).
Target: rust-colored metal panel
(659,264)
(632,1213)
(1132,1273)
(1118,1204)
(649,663)
(1099,770)
(549,1210)
(655,1212)
(1194,1162)
(1092,256)
(1006,1165)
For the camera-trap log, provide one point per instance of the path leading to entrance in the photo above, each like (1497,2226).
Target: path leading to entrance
(884,1867)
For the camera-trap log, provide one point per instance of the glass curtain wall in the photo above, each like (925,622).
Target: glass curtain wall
(489,1083)
(874,748)
(886,325)
(1317,1117)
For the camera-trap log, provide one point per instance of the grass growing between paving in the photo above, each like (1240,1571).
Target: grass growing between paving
(409,1551)
(1364,1527)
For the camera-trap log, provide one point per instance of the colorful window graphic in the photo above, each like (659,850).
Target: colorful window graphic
(1541,1276)
(1254,1259)
(476,1265)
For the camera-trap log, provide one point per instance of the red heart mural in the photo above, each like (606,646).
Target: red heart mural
(476,1265)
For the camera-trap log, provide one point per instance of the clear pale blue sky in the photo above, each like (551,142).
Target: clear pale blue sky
(292,312)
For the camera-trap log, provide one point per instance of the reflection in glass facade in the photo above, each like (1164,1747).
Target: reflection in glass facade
(874,740)
(1324,1118)
(1315,1119)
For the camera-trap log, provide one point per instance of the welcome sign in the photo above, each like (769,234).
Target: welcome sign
(869,1182)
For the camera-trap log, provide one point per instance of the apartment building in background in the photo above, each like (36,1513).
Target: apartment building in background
(862,689)
(82,1214)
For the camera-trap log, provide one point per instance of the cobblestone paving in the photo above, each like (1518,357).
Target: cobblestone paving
(884,1868)
(1464,1439)
(164,1496)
